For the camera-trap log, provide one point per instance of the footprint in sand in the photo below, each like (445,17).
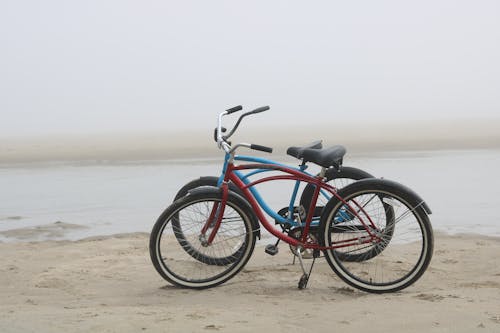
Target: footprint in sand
(495,319)
(449,261)
(430,297)
(213,327)
(345,291)
(10,268)
(195,316)
(482,284)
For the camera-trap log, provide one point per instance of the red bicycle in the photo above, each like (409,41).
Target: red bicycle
(374,233)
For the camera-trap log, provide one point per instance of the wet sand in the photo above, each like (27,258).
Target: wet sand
(108,284)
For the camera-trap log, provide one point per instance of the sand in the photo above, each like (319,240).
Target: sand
(108,284)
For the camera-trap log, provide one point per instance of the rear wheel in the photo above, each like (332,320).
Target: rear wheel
(189,261)
(405,236)
(336,178)
(202,182)
(340,179)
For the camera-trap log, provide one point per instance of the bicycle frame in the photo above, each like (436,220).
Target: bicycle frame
(232,173)
(214,230)
(255,193)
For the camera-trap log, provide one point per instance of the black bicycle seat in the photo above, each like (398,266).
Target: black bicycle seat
(298,151)
(326,158)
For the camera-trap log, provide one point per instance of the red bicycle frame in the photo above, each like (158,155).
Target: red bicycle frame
(290,174)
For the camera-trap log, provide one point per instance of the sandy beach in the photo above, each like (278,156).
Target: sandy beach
(108,284)
(109,108)
(54,278)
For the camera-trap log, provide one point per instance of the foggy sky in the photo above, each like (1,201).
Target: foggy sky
(105,66)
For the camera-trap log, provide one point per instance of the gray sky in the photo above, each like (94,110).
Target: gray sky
(97,66)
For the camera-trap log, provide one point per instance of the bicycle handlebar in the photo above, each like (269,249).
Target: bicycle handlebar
(221,140)
(261,109)
(261,148)
(258,110)
(234,109)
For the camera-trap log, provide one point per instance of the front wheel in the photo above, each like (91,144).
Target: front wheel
(402,240)
(192,262)
(207,181)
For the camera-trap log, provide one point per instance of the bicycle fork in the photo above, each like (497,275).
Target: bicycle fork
(215,218)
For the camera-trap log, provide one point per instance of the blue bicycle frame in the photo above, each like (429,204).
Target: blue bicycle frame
(245,178)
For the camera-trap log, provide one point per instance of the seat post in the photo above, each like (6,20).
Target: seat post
(322,172)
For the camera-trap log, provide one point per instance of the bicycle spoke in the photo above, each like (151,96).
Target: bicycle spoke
(391,256)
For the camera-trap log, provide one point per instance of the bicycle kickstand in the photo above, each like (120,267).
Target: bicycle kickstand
(304,279)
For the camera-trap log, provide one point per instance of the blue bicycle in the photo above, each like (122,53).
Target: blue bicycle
(206,237)
(338,177)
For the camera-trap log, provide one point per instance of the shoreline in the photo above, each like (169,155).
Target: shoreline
(109,284)
(66,205)
(27,235)
(217,157)
(58,232)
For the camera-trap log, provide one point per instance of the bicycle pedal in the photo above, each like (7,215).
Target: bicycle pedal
(271,249)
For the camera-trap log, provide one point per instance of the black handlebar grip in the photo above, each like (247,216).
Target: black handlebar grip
(234,109)
(261,109)
(261,148)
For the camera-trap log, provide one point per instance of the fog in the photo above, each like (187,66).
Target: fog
(80,67)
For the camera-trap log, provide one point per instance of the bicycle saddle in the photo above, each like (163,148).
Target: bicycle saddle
(325,157)
(298,151)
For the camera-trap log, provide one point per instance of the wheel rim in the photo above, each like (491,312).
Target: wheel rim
(197,265)
(403,251)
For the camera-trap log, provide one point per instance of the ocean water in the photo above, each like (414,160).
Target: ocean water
(77,200)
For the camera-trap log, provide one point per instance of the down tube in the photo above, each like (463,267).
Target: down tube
(249,196)
(261,201)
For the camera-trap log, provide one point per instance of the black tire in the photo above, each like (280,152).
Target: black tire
(337,178)
(201,182)
(407,251)
(235,238)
